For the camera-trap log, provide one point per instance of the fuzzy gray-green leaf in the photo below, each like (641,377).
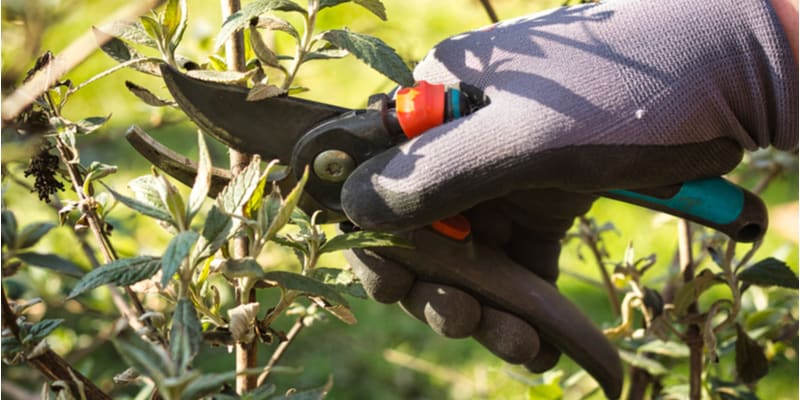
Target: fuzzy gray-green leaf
(374,52)
(41,329)
(147,358)
(692,290)
(218,228)
(143,208)
(363,239)
(173,21)
(186,334)
(305,284)
(133,32)
(246,267)
(178,249)
(52,262)
(374,6)
(751,363)
(114,47)
(770,272)
(202,182)
(122,272)
(237,193)
(289,204)
(641,361)
(31,234)
(241,18)
(276,24)
(147,96)
(9,228)
(342,280)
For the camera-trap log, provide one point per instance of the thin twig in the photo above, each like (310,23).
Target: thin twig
(487,5)
(276,356)
(50,364)
(68,59)
(590,239)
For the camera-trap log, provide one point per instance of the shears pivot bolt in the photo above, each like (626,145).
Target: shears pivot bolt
(333,165)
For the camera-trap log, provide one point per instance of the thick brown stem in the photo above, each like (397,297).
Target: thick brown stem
(51,365)
(245,352)
(694,337)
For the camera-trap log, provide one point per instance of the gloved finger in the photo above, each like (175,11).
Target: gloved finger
(449,311)
(382,279)
(507,336)
(546,359)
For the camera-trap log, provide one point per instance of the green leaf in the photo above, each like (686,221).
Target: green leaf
(305,284)
(186,334)
(113,47)
(132,32)
(147,96)
(202,182)
(122,272)
(276,24)
(148,358)
(262,51)
(342,280)
(669,349)
(289,204)
(326,53)
(227,77)
(691,291)
(41,329)
(91,124)
(241,18)
(152,28)
(374,52)
(362,239)
(261,91)
(9,228)
(150,190)
(179,248)
(770,272)
(143,208)
(641,361)
(374,6)
(246,267)
(173,21)
(311,394)
(10,346)
(751,363)
(206,385)
(31,234)
(268,210)
(52,262)
(549,389)
(217,230)
(237,193)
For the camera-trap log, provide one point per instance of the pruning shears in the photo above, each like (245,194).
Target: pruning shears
(333,141)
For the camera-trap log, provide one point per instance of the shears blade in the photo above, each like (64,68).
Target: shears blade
(269,127)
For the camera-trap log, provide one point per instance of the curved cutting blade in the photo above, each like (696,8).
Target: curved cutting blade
(268,127)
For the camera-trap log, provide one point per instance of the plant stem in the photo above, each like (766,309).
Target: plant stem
(50,364)
(276,356)
(693,337)
(245,352)
(96,226)
(487,5)
(590,238)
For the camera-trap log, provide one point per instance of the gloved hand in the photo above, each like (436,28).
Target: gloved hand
(619,95)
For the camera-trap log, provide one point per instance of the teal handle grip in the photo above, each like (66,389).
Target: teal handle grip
(712,202)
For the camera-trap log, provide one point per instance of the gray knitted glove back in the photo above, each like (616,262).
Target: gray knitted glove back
(624,94)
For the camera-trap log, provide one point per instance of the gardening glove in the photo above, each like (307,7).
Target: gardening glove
(618,95)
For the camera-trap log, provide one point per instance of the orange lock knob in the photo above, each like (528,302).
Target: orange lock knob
(420,108)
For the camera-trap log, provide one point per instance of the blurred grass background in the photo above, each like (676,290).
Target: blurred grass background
(387,355)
